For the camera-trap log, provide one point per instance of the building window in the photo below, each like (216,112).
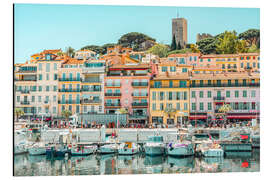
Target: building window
(55,77)
(40,66)
(209,94)
(253,105)
(54,109)
(209,82)
(153,95)
(100,108)
(54,98)
(40,77)
(55,66)
(39,88)
(244,93)
(161,106)
(170,95)
(172,68)
(185,95)
(164,68)
(18,98)
(47,88)
(77,109)
(184,70)
(177,106)
(228,94)
(39,109)
(70,108)
(209,60)
(161,95)
(183,84)
(253,93)
(193,106)
(193,94)
(33,98)
(201,94)
(201,106)
(48,67)
(47,77)
(236,94)
(185,106)
(154,106)
(209,106)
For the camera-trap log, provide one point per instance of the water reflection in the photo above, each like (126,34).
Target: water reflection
(25,165)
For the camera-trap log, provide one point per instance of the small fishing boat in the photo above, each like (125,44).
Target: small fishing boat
(62,151)
(20,148)
(82,150)
(128,148)
(210,149)
(154,146)
(181,148)
(37,149)
(108,149)
(50,151)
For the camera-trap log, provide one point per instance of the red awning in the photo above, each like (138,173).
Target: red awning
(219,102)
(241,117)
(197,117)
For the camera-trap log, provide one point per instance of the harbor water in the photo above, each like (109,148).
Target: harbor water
(26,165)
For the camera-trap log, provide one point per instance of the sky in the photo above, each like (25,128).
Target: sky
(44,26)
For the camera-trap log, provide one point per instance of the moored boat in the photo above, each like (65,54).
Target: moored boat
(128,148)
(108,149)
(82,150)
(154,146)
(37,149)
(62,151)
(210,149)
(180,149)
(20,148)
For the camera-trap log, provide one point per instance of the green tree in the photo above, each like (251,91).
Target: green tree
(173,45)
(18,112)
(194,48)
(230,44)
(70,51)
(253,49)
(207,45)
(105,46)
(179,47)
(251,36)
(66,114)
(160,50)
(95,48)
(133,40)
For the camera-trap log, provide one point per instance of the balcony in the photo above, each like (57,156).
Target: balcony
(70,79)
(25,91)
(139,84)
(139,95)
(90,101)
(112,94)
(68,102)
(113,85)
(226,85)
(216,98)
(167,86)
(140,104)
(113,104)
(69,90)
(25,79)
(91,81)
(46,102)
(90,90)
(25,102)
(93,70)
(137,116)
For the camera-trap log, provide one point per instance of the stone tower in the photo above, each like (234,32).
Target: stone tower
(179,30)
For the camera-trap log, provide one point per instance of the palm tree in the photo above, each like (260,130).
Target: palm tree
(66,114)
(224,110)
(170,111)
(18,112)
(70,51)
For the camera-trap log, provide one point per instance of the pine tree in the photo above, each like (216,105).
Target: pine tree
(173,45)
(179,47)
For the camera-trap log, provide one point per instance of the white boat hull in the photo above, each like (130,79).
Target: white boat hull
(79,152)
(180,151)
(127,151)
(37,151)
(154,150)
(213,153)
(20,150)
(107,149)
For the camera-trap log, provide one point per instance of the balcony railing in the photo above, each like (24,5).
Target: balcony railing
(69,90)
(113,85)
(217,98)
(137,116)
(69,79)
(25,79)
(25,91)
(139,104)
(90,90)
(112,94)
(139,84)
(25,102)
(113,104)
(91,81)
(139,95)
(226,85)
(167,86)
(68,102)
(90,101)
